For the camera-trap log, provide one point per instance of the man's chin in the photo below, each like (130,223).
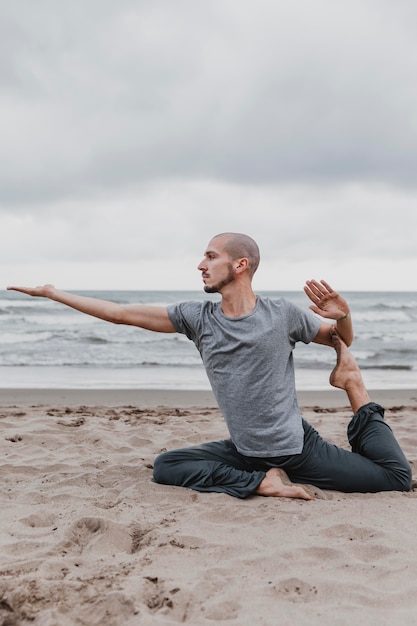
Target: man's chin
(210,289)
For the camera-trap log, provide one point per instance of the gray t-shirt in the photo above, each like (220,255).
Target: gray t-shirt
(249,363)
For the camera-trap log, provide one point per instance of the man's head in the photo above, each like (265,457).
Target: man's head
(238,246)
(229,256)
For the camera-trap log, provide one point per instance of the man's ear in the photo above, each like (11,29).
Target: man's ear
(241,265)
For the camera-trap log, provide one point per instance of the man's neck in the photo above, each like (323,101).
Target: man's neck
(238,304)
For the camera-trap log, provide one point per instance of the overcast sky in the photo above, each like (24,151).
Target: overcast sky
(134,130)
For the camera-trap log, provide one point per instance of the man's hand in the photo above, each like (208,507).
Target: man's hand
(44,291)
(326,302)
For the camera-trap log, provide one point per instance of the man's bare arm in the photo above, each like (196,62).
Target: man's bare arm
(145,316)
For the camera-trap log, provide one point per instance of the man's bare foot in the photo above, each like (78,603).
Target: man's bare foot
(346,370)
(276,483)
(347,375)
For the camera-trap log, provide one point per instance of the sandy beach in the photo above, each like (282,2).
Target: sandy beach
(88,539)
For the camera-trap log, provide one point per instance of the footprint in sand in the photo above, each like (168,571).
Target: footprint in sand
(38,521)
(350,532)
(364,543)
(14,439)
(101,536)
(297,590)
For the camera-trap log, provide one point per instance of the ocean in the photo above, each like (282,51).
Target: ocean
(44,344)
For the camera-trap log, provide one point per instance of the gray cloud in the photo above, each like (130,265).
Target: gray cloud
(105,94)
(132,131)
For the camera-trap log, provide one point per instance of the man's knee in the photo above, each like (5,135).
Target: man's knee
(161,469)
(404,478)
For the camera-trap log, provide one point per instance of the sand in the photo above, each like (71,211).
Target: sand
(87,539)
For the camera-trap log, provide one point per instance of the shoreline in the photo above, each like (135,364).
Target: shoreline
(182,378)
(182,397)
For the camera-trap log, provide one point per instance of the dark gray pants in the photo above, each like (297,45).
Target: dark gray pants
(376,462)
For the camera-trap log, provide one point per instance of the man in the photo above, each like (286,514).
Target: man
(246,344)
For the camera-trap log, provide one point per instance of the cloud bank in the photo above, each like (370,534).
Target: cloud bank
(134,131)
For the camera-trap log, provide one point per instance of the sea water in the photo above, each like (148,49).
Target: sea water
(44,344)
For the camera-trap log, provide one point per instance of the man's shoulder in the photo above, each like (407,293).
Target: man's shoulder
(194,306)
(268,301)
(281,305)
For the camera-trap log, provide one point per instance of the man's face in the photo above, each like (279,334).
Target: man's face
(216,267)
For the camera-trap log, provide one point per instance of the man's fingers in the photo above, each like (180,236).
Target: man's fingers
(312,290)
(316,292)
(30,291)
(329,289)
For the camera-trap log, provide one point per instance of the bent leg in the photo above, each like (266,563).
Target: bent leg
(376,462)
(371,437)
(215,466)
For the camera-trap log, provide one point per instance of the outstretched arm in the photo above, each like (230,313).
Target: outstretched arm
(149,317)
(329,304)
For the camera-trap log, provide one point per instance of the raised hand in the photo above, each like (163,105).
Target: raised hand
(326,302)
